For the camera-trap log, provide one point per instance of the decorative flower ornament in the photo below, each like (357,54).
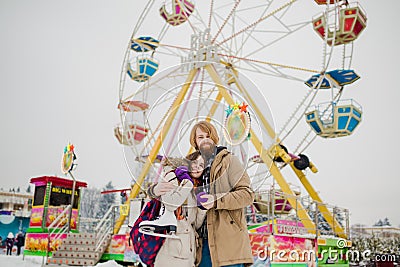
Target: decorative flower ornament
(69,156)
(237,124)
(229,110)
(243,107)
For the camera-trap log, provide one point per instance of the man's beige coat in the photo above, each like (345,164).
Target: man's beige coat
(227,227)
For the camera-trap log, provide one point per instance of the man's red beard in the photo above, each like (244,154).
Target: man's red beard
(207,149)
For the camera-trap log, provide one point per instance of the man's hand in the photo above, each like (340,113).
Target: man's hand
(205,201)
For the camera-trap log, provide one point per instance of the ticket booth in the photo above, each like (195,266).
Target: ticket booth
(52,196)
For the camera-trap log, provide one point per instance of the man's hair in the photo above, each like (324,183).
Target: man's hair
(207,127)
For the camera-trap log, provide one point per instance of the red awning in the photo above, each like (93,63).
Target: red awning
(56,181)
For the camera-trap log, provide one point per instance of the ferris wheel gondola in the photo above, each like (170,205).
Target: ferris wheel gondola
(181,10)
(131,132)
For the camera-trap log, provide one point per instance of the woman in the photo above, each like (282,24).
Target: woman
(180,252)
(10,243)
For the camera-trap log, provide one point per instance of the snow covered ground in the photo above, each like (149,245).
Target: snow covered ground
(32,261)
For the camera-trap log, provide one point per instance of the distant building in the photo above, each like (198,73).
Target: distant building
(386,231)
(15,211)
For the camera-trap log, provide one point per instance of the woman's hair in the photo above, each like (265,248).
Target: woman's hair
(192,157)
(174,162)
(207,127)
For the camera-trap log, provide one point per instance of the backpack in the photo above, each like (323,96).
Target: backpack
(147,246)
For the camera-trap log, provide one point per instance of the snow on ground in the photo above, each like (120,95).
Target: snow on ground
(34,261)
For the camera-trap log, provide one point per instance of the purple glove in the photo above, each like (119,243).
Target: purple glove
(182,173)
(201,200)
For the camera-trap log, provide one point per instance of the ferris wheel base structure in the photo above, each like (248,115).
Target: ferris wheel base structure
(228,41)
(267,154)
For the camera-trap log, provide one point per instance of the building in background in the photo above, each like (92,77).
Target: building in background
(384,231)
(15,211)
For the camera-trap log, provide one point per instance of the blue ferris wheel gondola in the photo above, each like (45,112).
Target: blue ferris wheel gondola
(144,44)
(333,78)
(324,84)
(343,77)
(145,68)
(335,119)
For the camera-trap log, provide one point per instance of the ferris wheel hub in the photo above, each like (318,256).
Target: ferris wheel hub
(202,51)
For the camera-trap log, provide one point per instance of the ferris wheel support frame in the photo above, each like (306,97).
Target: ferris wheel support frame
(330,219)
(214,107)
(303,215)
(265,154)
(157,145)
(266,157)
(241,88)
(300,174)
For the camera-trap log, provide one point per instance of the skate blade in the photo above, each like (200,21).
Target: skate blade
(158,228)
(170,235)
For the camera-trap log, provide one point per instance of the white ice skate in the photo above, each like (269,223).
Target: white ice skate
(164,226)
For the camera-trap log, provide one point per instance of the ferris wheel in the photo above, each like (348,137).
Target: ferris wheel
(199,60)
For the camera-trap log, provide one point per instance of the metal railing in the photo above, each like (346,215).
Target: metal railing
(60,226)
(105,226)
(57,228)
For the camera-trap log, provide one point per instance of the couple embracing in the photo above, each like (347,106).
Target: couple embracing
(215,190)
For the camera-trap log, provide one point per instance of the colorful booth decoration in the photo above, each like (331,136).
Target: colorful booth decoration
(291,250)
(334,78)
(144,44)
(51,198)
(278,226)
(181,10)
(68,158)
(335,119)
(145,68)
(131,134)
(237,124)
(38,243)
(352,21)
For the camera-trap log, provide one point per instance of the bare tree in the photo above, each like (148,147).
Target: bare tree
(90,202)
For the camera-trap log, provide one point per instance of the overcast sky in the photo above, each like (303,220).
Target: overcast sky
(59,76)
